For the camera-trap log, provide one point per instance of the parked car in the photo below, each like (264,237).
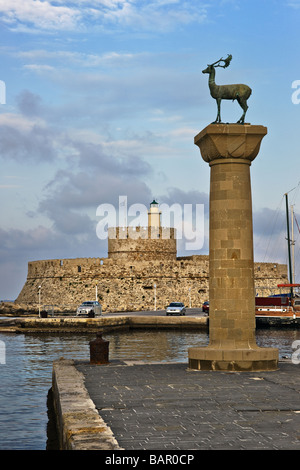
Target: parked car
(176,308)
(89,308)
(205,307)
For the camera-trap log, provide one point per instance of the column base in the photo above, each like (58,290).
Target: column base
(239,360)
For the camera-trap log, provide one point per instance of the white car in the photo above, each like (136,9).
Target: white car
(89,308)
(175,308)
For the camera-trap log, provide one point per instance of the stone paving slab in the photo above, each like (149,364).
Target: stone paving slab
(165,406)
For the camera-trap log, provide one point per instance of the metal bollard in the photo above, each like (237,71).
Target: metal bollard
(99,349)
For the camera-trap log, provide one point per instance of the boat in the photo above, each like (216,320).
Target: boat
(283,308)
(280,309)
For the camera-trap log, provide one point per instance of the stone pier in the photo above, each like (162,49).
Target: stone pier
(229,149)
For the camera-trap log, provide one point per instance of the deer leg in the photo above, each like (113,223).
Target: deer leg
(244,106)
(218,118)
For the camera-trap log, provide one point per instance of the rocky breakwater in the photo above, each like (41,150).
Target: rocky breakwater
(14,309)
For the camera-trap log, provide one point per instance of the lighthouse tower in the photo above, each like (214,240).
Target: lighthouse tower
(152,243)
(154,215)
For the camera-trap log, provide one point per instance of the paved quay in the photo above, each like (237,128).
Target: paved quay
(165,406)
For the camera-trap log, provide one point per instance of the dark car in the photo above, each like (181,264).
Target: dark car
(205,307)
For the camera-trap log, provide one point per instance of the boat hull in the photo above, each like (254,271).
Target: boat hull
(277,321)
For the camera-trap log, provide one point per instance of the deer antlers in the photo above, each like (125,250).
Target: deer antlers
(226,62)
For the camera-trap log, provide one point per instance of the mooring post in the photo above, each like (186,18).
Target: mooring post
(99,350)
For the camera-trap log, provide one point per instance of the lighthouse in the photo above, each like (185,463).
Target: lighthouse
(154,215)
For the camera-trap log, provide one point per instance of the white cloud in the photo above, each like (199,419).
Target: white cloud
(17,121)
(162,16)
(41,14)
(293,4)
(73,58)
(64,15)
(39,68)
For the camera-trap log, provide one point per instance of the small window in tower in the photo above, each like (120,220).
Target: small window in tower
(79,269)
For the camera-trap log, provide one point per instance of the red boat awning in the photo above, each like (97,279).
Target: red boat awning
(288,285)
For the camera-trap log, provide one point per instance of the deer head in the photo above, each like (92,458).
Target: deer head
(217,64)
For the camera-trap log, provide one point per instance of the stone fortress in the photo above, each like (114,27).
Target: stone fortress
(142,272)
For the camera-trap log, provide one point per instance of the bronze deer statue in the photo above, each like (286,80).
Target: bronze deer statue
(227,92)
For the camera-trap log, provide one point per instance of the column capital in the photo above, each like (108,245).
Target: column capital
(222,141)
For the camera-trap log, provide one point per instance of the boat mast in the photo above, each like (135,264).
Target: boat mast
(293,245)
(289,241)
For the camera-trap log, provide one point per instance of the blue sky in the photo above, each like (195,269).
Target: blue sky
(104,98)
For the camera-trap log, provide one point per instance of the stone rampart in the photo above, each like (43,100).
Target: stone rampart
(130,285)
(142,243)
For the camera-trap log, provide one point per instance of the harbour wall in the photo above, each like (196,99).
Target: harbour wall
(79,425)
(104,323)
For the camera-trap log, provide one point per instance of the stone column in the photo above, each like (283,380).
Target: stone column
(229,149)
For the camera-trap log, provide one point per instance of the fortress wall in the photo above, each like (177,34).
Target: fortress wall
(129,285)
(64,267)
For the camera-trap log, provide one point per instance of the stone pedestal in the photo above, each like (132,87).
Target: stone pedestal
(229,149)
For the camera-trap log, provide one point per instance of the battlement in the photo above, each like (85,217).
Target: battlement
(145,233)
(142,243)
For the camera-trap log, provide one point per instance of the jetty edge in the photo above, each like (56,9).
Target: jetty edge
(79,425)
(92,325)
